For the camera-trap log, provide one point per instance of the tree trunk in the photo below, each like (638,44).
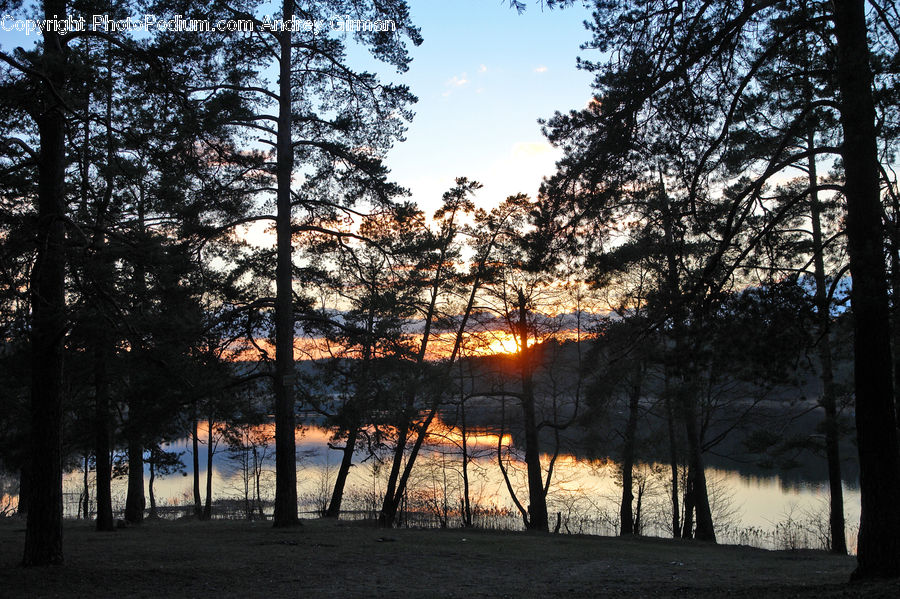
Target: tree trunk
(285,421)
(893,235)
(699,493)
(337,495)
(879,456)
(537,499)
(537,507)
(673,464)
(638,526)
(257,475)
(134,499)
(828,401)
(86,496)
(43,533)
(153,513)
(687,522)
(195,458)
(626,519)
(390,506)
(207,510)
(24,487)
(391,495)
(354,409)
(245,466)
(895,301)
(102,441)
(104,343)
(467,502)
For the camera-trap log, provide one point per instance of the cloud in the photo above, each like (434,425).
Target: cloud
(482,69)
(455,82)
(540,69)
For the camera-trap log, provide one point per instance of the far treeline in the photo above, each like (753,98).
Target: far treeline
(725,215)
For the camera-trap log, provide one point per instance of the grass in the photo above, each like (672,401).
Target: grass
(333,559)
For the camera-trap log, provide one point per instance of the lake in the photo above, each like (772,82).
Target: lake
(768,511)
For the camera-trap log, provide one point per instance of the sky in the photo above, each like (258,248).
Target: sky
(484,76)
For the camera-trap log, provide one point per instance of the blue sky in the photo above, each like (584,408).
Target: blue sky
(484,75)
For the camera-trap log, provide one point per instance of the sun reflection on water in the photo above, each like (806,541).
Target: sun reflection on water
(583,489)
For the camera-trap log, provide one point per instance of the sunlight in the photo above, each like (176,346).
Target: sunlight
(305,435)
(475,344)
(305,348)
(489,343)
(501,343)
(440,433)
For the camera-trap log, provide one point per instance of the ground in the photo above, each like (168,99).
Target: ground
(333,559)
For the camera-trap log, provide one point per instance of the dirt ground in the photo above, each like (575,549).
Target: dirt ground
(327,559)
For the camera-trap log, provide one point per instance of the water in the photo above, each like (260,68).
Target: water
(764,511)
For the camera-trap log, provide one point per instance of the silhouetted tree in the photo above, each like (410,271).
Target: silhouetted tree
(435,277)
(39,83)
(367,298)
(516,300)
(249,449)
(331,123)
(161,463)
(673,52)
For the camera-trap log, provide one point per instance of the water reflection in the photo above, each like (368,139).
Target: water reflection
(584,496)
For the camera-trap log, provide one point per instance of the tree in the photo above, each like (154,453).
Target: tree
(327,125)
(222,372)
(435,276)
(517,299)
(162,463)
(369,294)
(249,448)
(468,439)
(14,363)
(878,547)
(675,49)
(87,129)
(626,350)
(811,230)
(44,74)
(438,282)
(790,85)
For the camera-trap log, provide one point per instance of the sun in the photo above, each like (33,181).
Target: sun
(500,342)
